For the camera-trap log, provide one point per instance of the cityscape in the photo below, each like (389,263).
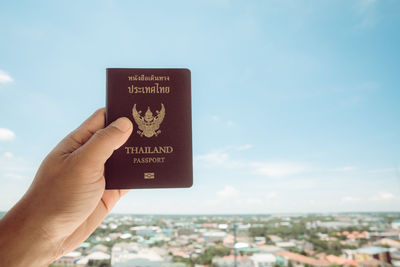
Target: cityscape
(295,133)
(286,240)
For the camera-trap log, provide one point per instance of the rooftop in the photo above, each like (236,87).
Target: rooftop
(372,250)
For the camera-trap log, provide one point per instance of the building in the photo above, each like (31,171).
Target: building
(388,242)
(394,234)
(335,260)
(135,255)
(298,260)
(368,253)
(263,260)
(229,261)
(396,224)
(214,236)
(286,245)
(100,248)
(334,224)
(69,259)
(395,257)
(145,230)
(269,249)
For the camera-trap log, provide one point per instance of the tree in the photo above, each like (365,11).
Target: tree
(210,253)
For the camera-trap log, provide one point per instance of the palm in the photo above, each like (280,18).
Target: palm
(72,177)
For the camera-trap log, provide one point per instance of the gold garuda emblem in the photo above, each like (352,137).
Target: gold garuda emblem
(148,124)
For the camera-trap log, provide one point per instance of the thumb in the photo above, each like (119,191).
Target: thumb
(103,143)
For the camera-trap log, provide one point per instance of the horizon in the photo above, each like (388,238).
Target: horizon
(290,214)
(294,105)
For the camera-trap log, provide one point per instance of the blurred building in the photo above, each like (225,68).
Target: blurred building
(378,253)
(263,260)
(298,260)
(135,255)
(69,259)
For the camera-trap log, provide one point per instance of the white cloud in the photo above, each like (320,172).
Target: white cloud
(215,118)
(15,176)
(6,134)
(4,77)
(349,199)
(383,170)
(279,169)
(228,123)
(213,158)
(228,192)
(14,167)
(272,195)
(383,196)
(221,158)
(254,201)
(8,155)
(346,169)
(244,147)
(229,158)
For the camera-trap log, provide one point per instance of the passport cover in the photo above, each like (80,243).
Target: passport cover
(158,154)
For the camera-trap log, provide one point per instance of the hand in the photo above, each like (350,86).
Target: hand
(67,199)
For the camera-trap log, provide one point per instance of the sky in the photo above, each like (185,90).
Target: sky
(295,104)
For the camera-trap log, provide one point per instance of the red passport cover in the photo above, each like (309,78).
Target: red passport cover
(158,154)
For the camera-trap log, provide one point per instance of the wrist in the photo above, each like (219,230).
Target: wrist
(22,242)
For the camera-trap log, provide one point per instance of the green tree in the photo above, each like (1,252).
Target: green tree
(210,253)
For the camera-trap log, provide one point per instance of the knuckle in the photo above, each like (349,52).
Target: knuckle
(102,134)
(107,132)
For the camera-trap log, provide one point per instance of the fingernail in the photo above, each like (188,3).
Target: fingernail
(123,124)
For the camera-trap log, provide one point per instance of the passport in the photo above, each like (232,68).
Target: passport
(158,154)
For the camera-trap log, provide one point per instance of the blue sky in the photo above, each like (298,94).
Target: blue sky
(295,103)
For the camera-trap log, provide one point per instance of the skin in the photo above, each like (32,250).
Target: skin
(67,199)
